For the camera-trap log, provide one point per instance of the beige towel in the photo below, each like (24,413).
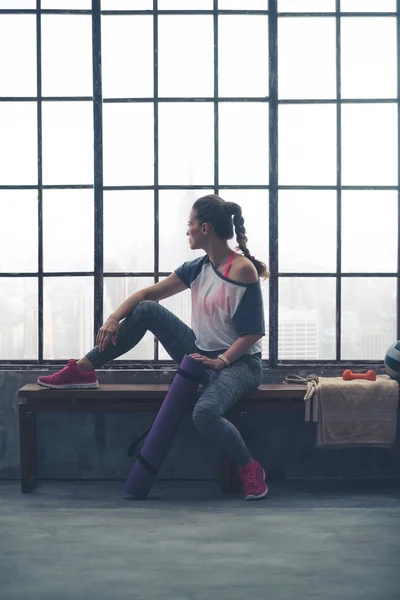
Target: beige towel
(355,413)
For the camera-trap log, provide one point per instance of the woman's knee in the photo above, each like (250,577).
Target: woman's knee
(204,417)
(146,309)
(148,305)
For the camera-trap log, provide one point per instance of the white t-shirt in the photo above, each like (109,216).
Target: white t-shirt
(222,309)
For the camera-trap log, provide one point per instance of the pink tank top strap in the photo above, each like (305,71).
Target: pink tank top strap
(228,266)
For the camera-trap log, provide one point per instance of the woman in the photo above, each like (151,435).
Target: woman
(227,321)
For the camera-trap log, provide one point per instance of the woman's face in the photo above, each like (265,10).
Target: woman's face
(195,232)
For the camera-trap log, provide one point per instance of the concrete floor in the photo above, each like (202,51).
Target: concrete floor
(86,540)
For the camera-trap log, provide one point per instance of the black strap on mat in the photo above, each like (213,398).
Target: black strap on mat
(135,443)
(186,375)
(146,464)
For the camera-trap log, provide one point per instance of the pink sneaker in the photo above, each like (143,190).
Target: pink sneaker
(253,479)
(70,377)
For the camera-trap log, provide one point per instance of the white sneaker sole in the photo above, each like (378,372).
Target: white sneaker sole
(252,497)
(70,386)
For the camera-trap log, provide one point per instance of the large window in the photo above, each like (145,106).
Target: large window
(116,115)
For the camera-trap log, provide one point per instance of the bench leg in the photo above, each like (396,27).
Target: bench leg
(226,474)
(236,484)
(230,480)
(28,450)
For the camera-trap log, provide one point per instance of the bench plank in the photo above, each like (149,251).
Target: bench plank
(128,391)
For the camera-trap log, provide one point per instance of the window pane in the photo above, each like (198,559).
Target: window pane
(255,209)
(72,4)
(185,56)
(303,72)
(18,4)
(18,318)
(368,317)
(62,230)
(369,231)
(67,143)
(307,145)
(18,231)
(368,5)
(243,4)
(368,70)
(185,4)
(243,144)
(235,76)
(128,144)
(369,144)
(299,252)
(180,306)
(67,316)
(116,290)
(18,143)
(18,49)
(174,210)
(186,143)
(67,55)
(128,247)
(127,56)
(306,5)
(307,317)
(126,4)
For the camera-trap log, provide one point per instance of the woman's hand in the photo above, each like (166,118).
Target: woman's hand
(216,364)
(107,333)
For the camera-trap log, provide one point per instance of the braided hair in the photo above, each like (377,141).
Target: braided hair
(212,209)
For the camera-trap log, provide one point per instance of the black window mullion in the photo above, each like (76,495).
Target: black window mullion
(216,106)
(273,182)
(98,167)
(339,189)
(156,174)
(398,167)
(40,177)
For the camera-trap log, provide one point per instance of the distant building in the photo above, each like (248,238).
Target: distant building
(298,334)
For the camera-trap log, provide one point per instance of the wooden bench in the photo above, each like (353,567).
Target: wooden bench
(128,397)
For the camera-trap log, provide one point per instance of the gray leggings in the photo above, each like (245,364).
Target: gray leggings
(223,388)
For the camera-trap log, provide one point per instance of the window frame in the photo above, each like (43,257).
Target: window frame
(273,187)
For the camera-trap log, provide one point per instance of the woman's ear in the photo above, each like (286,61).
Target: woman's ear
(205,228)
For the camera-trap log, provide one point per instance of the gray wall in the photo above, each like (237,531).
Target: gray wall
(94,446)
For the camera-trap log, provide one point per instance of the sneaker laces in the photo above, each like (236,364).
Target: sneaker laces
(70,363)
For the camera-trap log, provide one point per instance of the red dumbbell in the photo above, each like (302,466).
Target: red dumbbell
(349,375)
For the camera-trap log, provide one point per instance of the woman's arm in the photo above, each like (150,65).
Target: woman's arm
(240,346)
(236,351)
(159,291)
(164,289)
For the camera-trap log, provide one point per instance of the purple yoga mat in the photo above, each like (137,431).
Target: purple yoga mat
(178,401)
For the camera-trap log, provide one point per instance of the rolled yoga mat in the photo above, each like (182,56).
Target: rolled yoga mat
(178,401)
